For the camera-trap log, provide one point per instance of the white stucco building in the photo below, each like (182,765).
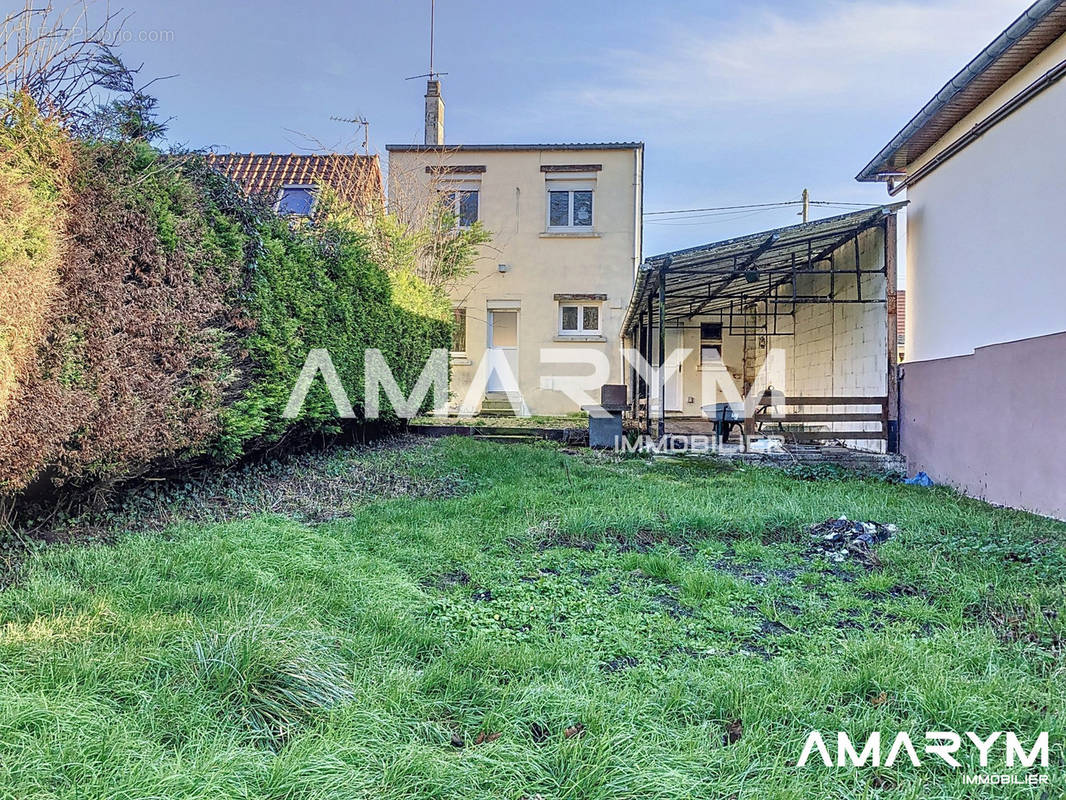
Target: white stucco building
(984,170)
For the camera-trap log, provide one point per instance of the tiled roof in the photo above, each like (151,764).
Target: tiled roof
(356,178)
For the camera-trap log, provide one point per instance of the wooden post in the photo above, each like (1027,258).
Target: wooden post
(891,422)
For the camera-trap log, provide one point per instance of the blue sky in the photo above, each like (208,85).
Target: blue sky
(737,102)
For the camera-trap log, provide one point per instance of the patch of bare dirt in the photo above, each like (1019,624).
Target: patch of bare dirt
(546,536)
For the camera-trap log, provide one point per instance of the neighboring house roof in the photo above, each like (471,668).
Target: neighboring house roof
(476,148)
(1030,34)
(355,178)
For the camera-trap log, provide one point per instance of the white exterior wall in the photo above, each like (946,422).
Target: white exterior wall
(986,261)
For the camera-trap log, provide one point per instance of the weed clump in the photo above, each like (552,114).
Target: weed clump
(270,680)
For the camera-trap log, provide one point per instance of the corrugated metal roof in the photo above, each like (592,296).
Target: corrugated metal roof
(1040,25)
(714,266)
(482,148)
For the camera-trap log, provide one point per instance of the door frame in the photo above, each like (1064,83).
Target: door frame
(673,401)
(489,387)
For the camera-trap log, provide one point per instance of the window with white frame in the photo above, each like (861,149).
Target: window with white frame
(463,200)
(570,205)
(579,319)
(296,200)
(458,330)
(710,343)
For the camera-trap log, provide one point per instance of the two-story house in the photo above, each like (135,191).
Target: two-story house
(565,221)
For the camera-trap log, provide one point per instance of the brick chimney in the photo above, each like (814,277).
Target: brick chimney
(434,114)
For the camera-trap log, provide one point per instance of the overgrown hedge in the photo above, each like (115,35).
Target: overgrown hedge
(152,315)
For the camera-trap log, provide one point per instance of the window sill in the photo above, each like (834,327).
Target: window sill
(569,235)
(461,360)
(582,337)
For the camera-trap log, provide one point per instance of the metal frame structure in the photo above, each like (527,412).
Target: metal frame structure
(733,277)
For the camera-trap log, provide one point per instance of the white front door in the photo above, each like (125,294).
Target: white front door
(675,339)
(503,350)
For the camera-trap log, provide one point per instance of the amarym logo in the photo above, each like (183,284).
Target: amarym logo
(943,744)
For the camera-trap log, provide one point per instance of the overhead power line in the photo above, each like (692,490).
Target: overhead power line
(709,210)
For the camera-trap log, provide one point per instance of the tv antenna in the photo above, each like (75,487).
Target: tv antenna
(358,121)
(432,75)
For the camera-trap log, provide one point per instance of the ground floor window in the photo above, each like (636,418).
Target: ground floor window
(710,342)
(459,330)
(579,318)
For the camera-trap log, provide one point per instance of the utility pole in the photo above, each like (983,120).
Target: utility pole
(806,205)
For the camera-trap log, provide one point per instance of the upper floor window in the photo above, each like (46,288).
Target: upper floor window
(463,204)
(569,208)
(296,200)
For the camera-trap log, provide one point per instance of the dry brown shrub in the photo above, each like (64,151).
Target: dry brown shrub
(131,374)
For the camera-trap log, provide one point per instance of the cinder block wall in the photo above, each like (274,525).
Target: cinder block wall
(840,349)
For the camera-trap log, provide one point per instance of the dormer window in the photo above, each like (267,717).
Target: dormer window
(296,200)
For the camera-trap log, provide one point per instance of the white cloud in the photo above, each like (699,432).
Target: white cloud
(864,51)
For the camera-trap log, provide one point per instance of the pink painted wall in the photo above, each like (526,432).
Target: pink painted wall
(991,423)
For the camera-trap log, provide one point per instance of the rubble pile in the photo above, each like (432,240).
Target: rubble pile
(837,539)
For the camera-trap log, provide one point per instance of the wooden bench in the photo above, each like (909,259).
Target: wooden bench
(763,417)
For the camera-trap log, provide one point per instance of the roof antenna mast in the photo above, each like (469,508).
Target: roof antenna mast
(432,74)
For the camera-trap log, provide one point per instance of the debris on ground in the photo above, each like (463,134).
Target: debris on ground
(733,733)
(574,730)
(836,539)
(921,479)
(618,664)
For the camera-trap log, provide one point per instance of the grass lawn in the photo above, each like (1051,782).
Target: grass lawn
(569,626)
(562,421)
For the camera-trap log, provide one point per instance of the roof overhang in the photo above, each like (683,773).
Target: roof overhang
(489,148)
(1040,25)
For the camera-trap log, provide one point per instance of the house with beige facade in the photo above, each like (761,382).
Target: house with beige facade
(983,167)
(554,282)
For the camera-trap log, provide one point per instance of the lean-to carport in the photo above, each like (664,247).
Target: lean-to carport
(822,292)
